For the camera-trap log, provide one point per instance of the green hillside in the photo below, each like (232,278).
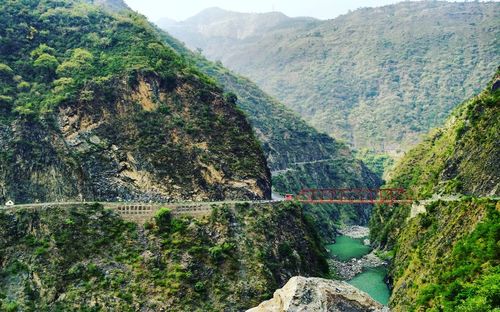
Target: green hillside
(96,106)
(88,259)
(376,77)
(447,248)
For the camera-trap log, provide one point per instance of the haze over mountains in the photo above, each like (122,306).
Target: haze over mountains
(376,77)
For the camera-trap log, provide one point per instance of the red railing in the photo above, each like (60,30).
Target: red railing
(351,196)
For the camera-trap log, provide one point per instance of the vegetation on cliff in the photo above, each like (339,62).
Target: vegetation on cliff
(447,251)
(87,258)
(460,158)
(376,77)
(95,103)
(447,259)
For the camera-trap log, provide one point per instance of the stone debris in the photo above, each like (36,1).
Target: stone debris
(349,269)
(355,231)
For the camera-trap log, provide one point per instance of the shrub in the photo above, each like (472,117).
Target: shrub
(10,306)
(219,252)
(5,71)
(199,287)
(163,219)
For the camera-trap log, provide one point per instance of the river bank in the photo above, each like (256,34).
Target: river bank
(355,261)
(355,231)
(348,270)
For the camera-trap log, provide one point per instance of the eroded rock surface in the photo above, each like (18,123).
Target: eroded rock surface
(317,294)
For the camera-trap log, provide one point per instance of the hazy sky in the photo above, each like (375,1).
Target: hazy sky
(182,9)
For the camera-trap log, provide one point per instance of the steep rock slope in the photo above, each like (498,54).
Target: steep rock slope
(298,155)
(96,106)
(447,249)
(376,77)
(87,258)
(448,258)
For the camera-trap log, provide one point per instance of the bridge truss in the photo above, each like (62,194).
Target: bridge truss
(353,196)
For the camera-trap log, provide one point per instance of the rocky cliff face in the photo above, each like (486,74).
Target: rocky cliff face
(298,155)
(86,257)
(318,295)
(132,123)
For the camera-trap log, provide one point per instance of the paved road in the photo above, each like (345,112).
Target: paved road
(141,212)
(111,204)
(290,165)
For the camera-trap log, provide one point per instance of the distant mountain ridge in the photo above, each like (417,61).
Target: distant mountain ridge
(376,77)
(228,25)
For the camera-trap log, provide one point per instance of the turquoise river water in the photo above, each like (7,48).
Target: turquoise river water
(370,280)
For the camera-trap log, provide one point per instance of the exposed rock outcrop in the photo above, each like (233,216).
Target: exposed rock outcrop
(355,231)
(140,126)
(317,294)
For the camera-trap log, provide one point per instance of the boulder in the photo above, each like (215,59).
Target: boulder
(318,294)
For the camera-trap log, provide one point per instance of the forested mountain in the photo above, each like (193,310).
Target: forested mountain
(447,248)
(97,106)
(376,77)
(93,101)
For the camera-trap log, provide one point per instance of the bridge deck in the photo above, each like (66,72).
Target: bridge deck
(355,201)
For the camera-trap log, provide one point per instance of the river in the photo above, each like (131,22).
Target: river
(360,267)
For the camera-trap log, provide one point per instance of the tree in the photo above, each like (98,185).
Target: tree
(47,65)
(163,219)
(78,65)
(6,73)
(42,49)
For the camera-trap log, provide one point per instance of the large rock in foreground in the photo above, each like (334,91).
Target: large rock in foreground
(318,294)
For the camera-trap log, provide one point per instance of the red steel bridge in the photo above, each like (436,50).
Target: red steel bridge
(351,196)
